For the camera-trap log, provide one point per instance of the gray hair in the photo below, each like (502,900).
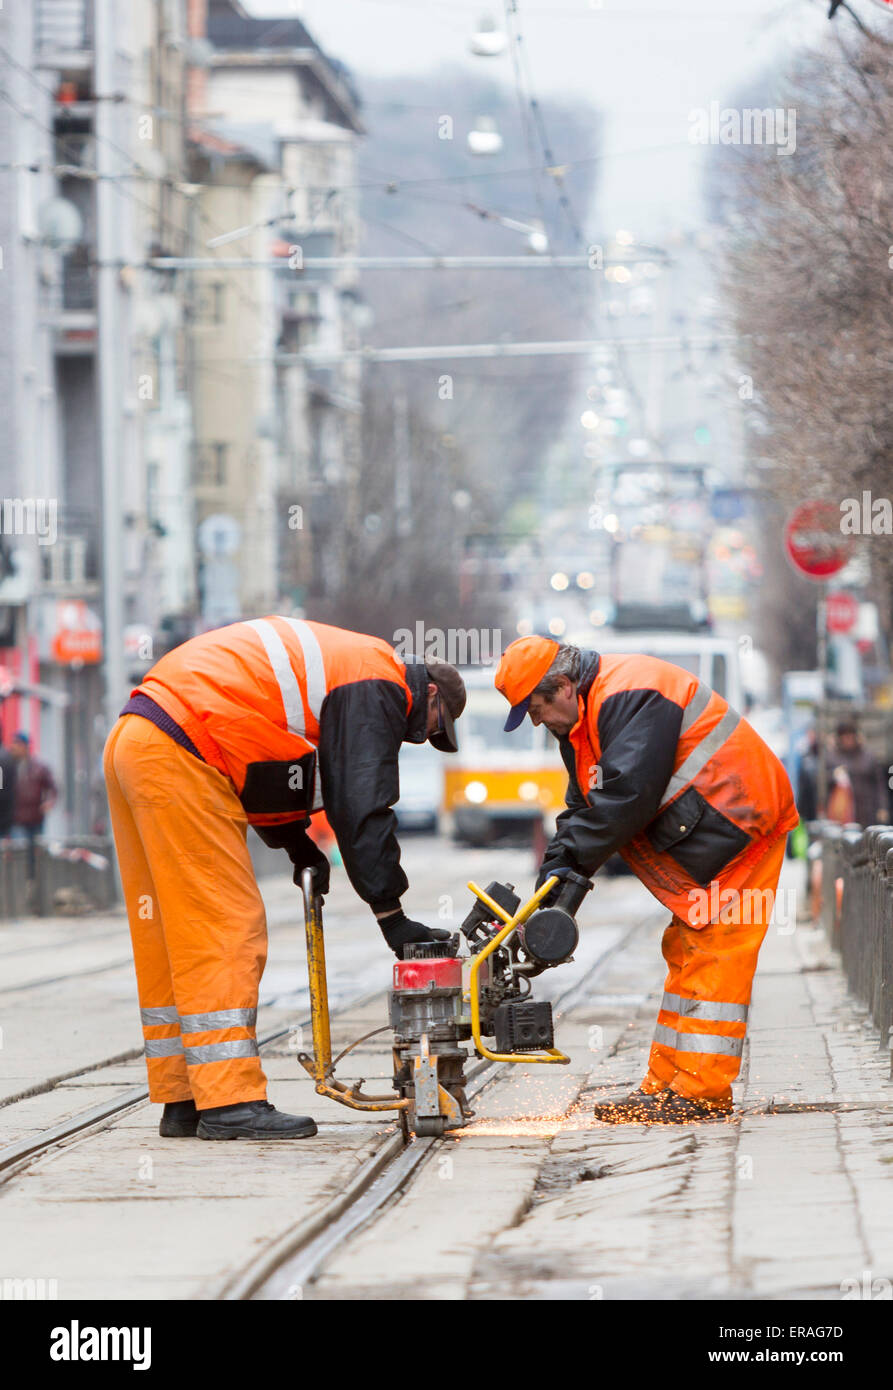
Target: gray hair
(567,663)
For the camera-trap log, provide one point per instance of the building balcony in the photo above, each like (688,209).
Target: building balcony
(68,305)
(72,565)
(78,286)
(63,34)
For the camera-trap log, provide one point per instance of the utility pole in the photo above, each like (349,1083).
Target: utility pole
(109,349)
(402,484)
(822,721)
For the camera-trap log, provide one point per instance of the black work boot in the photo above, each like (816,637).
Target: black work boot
(179,1120)
(684,1110)
(253,1119)
(661,1108)
(637,1108)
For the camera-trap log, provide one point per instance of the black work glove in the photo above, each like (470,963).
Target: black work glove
(399,930)
(554,869)
(320,876)
(307,855)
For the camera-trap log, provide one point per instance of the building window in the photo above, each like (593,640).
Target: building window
(209,302)
(209,463)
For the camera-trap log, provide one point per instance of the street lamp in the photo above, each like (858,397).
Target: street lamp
(487,41)
(60,224)
(484,138)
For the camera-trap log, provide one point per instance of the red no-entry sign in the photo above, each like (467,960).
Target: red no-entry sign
(814,542)
(841,612)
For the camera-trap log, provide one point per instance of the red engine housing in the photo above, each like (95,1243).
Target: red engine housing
(441,972)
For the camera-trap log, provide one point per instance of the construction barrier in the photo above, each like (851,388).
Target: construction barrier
(13,879)
(73,875)
(857,911)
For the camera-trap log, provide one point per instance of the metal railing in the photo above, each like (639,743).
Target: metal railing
(857,911)
(64,26)
(78,282)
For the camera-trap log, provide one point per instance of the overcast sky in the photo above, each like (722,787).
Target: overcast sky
(646,63)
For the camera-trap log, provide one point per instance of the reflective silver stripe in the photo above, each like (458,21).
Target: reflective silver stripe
(317,688)
(696,706)
(221,1052)
(314,667)
(167,1014)
(713,1009)
(282,670)
(700,755)
(709,1042)
(163,1047)
(712,1043)
(221,1018)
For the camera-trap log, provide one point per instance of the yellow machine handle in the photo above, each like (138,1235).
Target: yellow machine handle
(320,1064)
(511,926)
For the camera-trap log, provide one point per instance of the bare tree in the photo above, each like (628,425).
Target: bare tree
(417,499)
(809,275)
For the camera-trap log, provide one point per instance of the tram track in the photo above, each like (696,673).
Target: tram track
(296,1257)
(24,1151)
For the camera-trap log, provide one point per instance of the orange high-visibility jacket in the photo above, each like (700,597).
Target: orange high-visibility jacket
(299,715)
(664,771)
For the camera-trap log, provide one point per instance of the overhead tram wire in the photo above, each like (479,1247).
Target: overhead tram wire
(155,212)
(570,215)
(516,41)
(523,105)
(251,302)
(398,185)
(473,351)
(398,182)
(552,167)
(403,236)
(581,11)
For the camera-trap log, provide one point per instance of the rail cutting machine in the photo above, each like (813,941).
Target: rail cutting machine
(476,985)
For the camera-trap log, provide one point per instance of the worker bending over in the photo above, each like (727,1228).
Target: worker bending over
(663,770)
(257,723)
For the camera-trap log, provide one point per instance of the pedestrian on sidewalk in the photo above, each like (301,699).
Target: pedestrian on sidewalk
(859,790)
(664,771)
(261,723)
(36,794)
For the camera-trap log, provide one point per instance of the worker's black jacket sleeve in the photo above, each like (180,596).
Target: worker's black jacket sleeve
(293,838)
(361,728)
(638,731)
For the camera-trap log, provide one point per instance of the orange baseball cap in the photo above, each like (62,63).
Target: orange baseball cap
(524,663)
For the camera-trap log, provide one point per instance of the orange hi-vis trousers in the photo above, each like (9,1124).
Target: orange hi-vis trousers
(699,1037)
(196,916)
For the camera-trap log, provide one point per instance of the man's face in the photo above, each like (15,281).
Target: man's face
(19,749)
(558,712)
(848,742)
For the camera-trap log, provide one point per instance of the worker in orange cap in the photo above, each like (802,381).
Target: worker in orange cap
(664,771)
(261,723)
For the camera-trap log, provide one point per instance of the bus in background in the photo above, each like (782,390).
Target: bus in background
(714,660)
(500,786)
